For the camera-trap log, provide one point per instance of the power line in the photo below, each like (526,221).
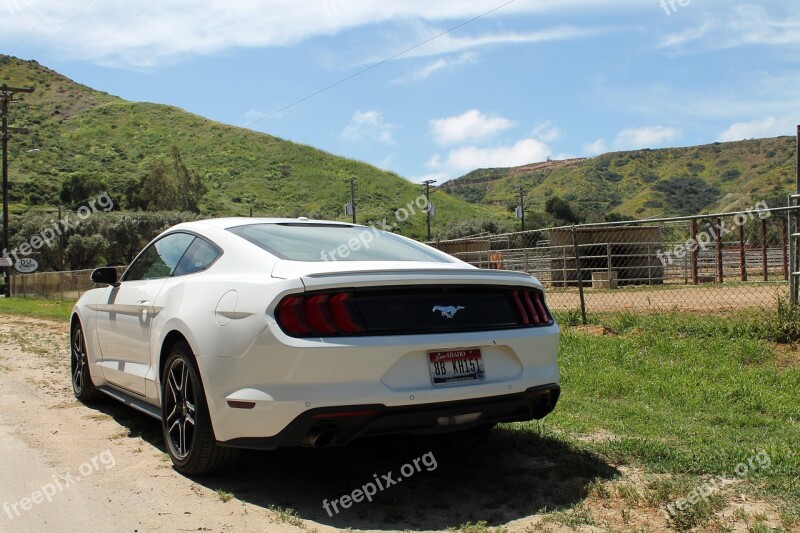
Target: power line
(113,33)
(47,14)
(378,64)
(62,28)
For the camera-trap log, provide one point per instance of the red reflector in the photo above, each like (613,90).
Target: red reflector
(537,300)
(343,314)
(236,404)
(531,309)
(290,317)
(521,309)
(343,414)
(317,315)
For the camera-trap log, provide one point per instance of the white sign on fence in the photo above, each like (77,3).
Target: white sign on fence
(6,262)
(27,265)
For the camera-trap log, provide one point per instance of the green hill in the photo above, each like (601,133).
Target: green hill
(88,139)
(645,183)
(82,141)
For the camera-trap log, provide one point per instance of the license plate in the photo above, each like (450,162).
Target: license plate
(456,366)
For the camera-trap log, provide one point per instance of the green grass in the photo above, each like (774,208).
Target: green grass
(53,310)
(687,395)
(223,496)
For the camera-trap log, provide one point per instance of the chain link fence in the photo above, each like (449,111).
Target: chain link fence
(708,263)
(65,286)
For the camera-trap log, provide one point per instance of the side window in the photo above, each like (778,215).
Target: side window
(200,255)
(161,258)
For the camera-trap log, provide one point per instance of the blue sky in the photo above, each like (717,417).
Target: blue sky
(532,79)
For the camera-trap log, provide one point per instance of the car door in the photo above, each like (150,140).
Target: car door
(125,316)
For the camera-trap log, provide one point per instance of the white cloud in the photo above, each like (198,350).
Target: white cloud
(368,125)
(648,137)
(444,63)
(129,33)
(766,127)
(547,131)
(253,115)
(635,138)
(741,25)
(469,158)
(470,126)
(452,43)
(595,148)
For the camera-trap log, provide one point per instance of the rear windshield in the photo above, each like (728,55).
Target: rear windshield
(327,242)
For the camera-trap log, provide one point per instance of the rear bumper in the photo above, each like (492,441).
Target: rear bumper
(342,424)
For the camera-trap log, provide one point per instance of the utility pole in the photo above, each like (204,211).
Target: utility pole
(6,96)
(353,189)
(522,194)
(60,242)
(427,184)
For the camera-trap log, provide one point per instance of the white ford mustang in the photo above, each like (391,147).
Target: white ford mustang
(260,333)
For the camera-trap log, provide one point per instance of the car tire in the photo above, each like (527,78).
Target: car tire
(186,424)
(82,384)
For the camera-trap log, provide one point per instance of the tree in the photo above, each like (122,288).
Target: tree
(560,209)
(171,186)
(85,251)
(189,185)
(78,188)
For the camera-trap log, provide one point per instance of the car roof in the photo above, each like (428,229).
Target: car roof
(233,222)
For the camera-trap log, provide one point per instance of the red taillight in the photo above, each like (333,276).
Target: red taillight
(319,315)
(344,315)
(537,300)
(523,314)
(530,308)
(291,317)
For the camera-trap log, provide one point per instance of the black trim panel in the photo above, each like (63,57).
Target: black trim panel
(351,422)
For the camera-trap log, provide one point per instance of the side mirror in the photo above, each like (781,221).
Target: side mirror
(105,276)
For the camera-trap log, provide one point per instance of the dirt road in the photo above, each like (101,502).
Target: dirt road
(69,467)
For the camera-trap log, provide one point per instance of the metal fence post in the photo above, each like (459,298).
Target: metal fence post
(764,262)
(720,263)
(784,252)
(579,274)
(695,253)
(742,254)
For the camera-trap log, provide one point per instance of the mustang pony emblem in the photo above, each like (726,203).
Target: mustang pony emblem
(449,312)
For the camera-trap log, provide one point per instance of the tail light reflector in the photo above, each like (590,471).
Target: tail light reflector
(530,307)
(319,315)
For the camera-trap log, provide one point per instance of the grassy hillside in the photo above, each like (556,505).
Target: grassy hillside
(646,183)
(85,134)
